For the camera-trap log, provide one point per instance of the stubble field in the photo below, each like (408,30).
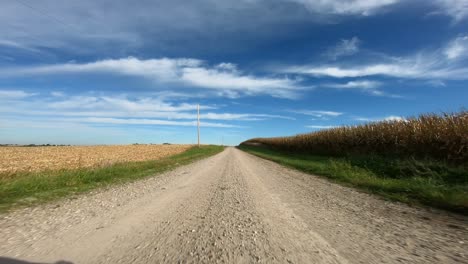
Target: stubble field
(34,159)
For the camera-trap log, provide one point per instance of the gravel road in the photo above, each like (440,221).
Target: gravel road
(231,208)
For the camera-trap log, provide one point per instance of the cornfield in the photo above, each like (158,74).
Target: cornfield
(435,136)
(32,159)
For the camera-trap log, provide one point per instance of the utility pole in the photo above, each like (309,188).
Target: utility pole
(198,123)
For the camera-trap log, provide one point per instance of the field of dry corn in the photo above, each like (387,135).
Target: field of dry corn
(29,159)
(441,137)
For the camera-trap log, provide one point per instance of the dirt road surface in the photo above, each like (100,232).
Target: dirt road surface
(232,208)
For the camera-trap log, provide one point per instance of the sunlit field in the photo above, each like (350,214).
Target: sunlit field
(34,159)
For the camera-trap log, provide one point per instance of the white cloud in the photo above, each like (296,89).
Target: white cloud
(14,94)
(436,83)
(235,83)
(377,119)
(457,48)
(361,84)
(320,127)
(457,9)
(152,114)
(165,25)
(393,118)
(440,64)
(17,45)
(367,86)
(383,94)
(357,71)
(139,121)
(241,117)
(345,47)
(57,93)
(118,105)
(58,131)
(224,78)
(122,110)
(317,113)
(364,119)
(227,66)
(347,7)
(164,69)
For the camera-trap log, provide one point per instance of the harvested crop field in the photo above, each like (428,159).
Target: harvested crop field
(29,159)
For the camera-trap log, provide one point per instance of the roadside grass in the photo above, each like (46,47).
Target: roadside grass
(411,181)
(28,188)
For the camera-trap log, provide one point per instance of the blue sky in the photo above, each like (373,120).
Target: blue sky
(119,72)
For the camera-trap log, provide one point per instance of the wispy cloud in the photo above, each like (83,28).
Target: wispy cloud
(320,127)
(223,78)
(159,69)
(345,47)
(394,118)
(366,86)
(351,7)
(317,113)
(166,24)
(351,72)
(57,93)
(407,69)
(118,103)
(17,45)
(376,119)
(14,94)
(457,9)
(108,29)
(436,83)
(121,110)
(361,84)
(457,48)
(235,84)
(139,121)
(442,64)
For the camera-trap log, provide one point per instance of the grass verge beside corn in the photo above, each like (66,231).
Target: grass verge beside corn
(429,182)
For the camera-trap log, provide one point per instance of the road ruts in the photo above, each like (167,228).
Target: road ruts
(232,208)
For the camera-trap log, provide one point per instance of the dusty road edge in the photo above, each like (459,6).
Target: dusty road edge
(385,196)
(33,189)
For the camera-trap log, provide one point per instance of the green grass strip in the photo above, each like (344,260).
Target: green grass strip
(25,189)
(437,188)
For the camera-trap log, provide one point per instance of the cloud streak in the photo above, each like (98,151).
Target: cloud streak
(361,84)
(345,47)
(457,9)
(87,27)
(16,45)
(132,121)
(317,113)
(223,78)
(377,119)
(320,127)
(457,48)
(409,69)
(120,110)
(104,27)
(446,63)
(349,7)
(367,86)
(14,94)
